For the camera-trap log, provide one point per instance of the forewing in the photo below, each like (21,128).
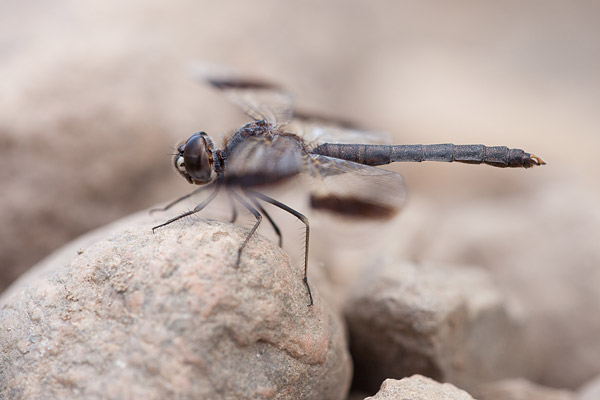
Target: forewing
(354,190)
(315,130)
(260,100)
(264,160)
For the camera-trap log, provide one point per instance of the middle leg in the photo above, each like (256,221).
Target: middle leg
(254,228)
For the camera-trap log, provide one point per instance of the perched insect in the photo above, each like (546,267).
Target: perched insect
(277,146)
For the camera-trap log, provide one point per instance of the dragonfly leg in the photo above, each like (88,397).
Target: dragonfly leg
(304,220)
(196,209)
(266,214)
(254,228)
(234,212)
(171,204)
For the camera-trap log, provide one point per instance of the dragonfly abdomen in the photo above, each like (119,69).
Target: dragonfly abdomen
(368,154)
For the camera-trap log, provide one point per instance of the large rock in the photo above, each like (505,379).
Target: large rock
(142,315)
(447,323)
(418,387)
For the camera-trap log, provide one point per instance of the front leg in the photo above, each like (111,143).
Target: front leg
(196,209)
(171,204)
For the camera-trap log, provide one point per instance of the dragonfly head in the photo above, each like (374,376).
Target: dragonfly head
(194,159)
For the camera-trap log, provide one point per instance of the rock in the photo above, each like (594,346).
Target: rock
(71,167)
(520,389)
(166,315)
(591,390)
(448,323)
(418,387)
(541,247)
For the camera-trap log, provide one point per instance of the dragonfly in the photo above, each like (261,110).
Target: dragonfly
(339,160)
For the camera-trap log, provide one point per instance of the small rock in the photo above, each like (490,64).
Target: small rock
(418,387)
(448,323)
(167,315)
(520,389)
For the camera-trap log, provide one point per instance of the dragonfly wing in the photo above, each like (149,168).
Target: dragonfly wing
(315,130)
(355,190)
(258,99)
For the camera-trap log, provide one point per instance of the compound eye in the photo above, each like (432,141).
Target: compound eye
(197,159)
(179,164)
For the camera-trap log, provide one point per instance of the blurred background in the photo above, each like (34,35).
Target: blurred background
(95,96)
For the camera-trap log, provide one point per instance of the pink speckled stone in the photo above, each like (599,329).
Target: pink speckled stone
(142,315)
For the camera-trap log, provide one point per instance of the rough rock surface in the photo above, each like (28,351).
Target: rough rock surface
(447,323)
(142,315)
(520,389)
(418,387)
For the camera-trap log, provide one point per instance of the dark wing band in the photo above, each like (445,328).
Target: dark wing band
(354,190)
